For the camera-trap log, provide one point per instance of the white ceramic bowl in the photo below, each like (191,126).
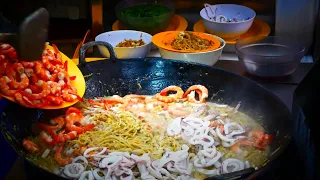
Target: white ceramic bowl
(115,37)
(229,30)
(207,58)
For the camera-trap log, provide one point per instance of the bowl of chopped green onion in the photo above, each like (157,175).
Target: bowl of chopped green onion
(144,15)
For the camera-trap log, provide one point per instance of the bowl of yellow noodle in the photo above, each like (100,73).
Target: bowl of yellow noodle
(189,46)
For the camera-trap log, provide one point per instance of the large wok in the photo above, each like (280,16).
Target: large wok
(149,76)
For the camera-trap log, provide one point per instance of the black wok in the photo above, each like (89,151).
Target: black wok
(149,76)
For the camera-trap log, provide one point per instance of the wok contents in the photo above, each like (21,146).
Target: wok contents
(145,10)
(36,84)
(170,135)
(131,43)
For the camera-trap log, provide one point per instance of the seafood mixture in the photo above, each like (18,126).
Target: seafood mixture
(170,135)
(36,84)
(131,43)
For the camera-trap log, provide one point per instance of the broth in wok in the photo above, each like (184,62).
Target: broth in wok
(170,135)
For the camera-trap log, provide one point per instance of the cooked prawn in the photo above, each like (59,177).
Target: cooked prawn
(166,99)
(4,87)
(73,119)
(3,65)
(55,87)
(59,159)
(30,146)
(47,65)
(178,112)
(65,137)
(68,95)
(57,53)
(242,142)
(15,71)
(177,89)
(41,72)
(20,99)
(28,64)
(55,100)
(45,91)
(73,110)
(24,82)
(48,139)
(58,122)
(190,93)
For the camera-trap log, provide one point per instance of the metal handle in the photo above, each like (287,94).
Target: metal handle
(234,175)
(84,48)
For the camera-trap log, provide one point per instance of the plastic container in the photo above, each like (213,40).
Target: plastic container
(269,56)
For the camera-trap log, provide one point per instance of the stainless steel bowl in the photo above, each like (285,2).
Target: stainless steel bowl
(269,56)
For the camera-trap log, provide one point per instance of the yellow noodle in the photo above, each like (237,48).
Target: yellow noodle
(124,132)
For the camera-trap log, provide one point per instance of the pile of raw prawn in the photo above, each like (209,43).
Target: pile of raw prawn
(36,84)
(204,131)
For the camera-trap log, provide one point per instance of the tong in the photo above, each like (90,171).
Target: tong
(210,12)
(30,41)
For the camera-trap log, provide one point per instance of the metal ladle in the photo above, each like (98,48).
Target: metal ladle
(30,41)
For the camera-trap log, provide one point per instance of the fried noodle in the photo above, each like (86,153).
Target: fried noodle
(189,41)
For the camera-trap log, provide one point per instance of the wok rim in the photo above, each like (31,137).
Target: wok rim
(255,174)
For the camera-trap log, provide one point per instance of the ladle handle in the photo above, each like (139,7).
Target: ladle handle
(234,175)
(84,48)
